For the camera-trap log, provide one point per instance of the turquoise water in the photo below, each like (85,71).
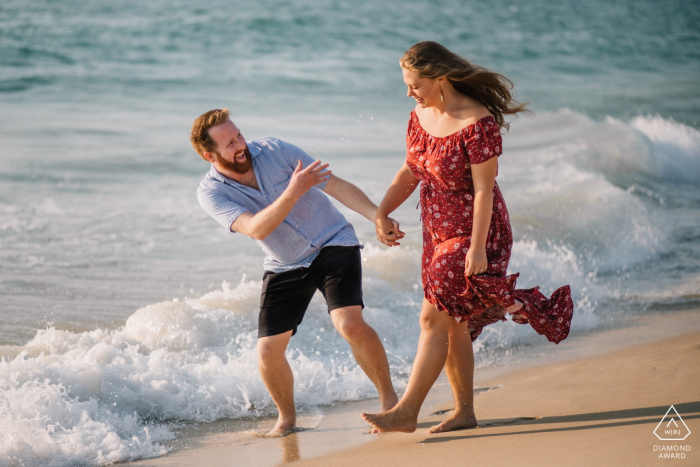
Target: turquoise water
(600,58)
(124,307)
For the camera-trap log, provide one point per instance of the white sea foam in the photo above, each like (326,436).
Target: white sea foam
(571,186)
(676,147)
(90,395)
(647,144)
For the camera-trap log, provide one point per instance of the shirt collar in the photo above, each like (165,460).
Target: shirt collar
(213,173)
(254,148)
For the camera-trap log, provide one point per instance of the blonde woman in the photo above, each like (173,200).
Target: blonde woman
(453,144)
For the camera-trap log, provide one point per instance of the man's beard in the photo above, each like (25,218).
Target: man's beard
(236,167)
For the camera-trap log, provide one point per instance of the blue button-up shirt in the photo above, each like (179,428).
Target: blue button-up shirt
(312,224)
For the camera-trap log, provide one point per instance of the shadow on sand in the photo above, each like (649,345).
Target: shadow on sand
(688,410)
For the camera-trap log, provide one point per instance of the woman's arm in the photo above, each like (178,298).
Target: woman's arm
(484,178)
(401,187)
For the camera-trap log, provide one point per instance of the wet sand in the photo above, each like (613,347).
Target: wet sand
(594,400)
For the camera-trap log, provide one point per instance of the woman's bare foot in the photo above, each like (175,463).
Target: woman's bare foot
(393,420)
(282,428)
(390,403)
(386,406)
(455,422)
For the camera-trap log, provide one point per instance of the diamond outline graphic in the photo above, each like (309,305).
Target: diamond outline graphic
(664,418)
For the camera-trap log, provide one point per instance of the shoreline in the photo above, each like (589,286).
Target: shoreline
(594,384)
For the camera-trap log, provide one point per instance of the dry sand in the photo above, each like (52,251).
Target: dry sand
(594,402)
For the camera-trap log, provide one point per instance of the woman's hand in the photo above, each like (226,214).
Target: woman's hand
(476,262)
(388,231)
(484,178)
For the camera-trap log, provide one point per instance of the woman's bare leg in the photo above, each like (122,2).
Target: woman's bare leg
(460,372)
(513,310)
(433,346)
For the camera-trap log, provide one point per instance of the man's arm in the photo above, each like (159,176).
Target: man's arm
(357,200)
(260,225)
(351,196)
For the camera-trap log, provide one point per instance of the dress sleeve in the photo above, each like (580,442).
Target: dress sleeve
(484,142)
(412,133)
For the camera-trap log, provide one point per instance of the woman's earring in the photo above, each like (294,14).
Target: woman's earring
(442,96)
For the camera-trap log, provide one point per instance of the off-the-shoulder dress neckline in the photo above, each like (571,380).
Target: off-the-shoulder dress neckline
(450,135)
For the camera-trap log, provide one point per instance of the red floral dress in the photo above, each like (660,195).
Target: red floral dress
(443,165)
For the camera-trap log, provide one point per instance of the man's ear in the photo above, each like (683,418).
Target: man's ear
(209,156)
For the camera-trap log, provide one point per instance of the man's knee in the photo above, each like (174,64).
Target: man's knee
(349,323)
(272,348)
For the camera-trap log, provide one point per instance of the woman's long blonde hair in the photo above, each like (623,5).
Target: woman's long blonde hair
(494,91)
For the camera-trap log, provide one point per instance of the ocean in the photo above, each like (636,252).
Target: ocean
(126,313)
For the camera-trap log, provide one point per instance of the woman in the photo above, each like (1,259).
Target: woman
(453,145)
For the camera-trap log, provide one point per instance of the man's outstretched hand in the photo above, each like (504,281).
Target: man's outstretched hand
(303,179)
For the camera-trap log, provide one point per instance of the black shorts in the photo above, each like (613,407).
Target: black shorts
(336,272)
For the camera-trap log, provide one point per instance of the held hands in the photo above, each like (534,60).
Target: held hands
(388,231)
(303,179)
(476,261)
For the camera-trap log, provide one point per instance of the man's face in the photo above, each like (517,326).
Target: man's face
(233,151)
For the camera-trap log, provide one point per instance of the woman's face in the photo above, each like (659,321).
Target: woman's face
(425,91)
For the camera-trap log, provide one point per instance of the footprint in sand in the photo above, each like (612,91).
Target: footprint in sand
(304,423)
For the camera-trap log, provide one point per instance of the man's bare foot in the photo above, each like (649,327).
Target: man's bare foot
(455,422)
(282,428)
(393,420)
(389,403)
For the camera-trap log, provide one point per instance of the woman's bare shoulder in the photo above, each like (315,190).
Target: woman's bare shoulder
(471,112)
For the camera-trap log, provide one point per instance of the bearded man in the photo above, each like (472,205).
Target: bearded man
(276,194)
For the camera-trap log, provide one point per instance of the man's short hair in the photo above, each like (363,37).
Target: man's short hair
(200,138)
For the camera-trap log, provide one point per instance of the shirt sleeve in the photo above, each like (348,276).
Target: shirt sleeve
(220,207)
(293,154)
(485,142)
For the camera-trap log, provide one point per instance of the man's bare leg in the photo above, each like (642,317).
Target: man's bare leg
(368,351)
(432,352)
(279,380)
(460,372)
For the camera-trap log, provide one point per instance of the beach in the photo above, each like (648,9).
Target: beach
(128,316)
(596,402)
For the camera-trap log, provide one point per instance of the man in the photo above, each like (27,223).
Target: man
(273,192)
